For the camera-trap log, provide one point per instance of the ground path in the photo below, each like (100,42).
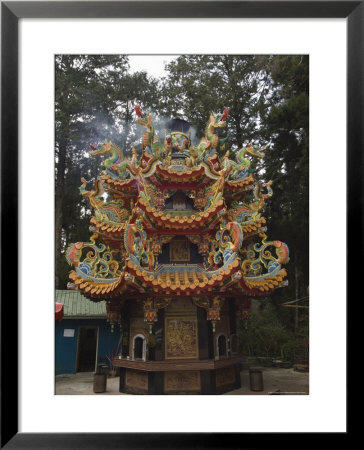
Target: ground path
(275,381)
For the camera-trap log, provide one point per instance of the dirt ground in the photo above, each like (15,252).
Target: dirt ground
(276,381)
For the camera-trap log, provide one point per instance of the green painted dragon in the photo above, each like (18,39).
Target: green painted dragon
(208,144)
(243,212)
(240,168)
(107,211)
(115,164)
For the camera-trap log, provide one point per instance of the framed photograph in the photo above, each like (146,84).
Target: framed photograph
(27,212)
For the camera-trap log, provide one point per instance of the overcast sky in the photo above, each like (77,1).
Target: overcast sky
(153,64)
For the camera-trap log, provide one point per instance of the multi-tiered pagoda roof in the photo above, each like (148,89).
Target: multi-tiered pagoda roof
(174,192)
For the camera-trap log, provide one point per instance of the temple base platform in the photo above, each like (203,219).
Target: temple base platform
(175,377)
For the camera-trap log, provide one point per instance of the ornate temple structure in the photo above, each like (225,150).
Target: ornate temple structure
(178,250)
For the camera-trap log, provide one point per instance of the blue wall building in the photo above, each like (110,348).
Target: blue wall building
(83,338)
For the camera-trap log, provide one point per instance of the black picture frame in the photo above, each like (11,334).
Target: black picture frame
(11,12)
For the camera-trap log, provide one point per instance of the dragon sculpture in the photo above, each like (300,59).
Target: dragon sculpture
(206,148)
(136,231)
(151,145)
(260,257)
(116,164)
(138,246)
(242,212)
(98,263)
(106,211)
(227,245)
(240,168)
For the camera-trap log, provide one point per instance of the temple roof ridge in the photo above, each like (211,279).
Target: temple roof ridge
(173,188)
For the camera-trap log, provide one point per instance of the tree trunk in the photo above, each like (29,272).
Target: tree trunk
(127,127)
(59,188)
(238,131)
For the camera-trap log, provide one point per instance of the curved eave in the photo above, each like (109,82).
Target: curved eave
(97,289)
(235,187)
(183,281)
(107,228)
(252,227)
(262,285)
(123,187)
(164,220)
(139,280)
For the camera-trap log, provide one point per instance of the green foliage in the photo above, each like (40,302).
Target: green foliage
(285,122)
(198,85)
(266,334)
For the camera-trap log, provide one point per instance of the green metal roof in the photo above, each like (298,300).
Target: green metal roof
(76,305)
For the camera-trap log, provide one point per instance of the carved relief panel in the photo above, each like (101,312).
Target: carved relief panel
(136,379)
(181,338)
(182,381)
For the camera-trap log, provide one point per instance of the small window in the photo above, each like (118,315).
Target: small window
(138,347)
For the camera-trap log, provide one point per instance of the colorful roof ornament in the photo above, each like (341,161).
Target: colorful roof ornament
(176,219)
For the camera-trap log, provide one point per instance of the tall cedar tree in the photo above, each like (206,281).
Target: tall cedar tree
(286,124)
(198,85)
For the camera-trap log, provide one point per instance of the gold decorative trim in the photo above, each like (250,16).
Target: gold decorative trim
(181,339)
(182,381)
